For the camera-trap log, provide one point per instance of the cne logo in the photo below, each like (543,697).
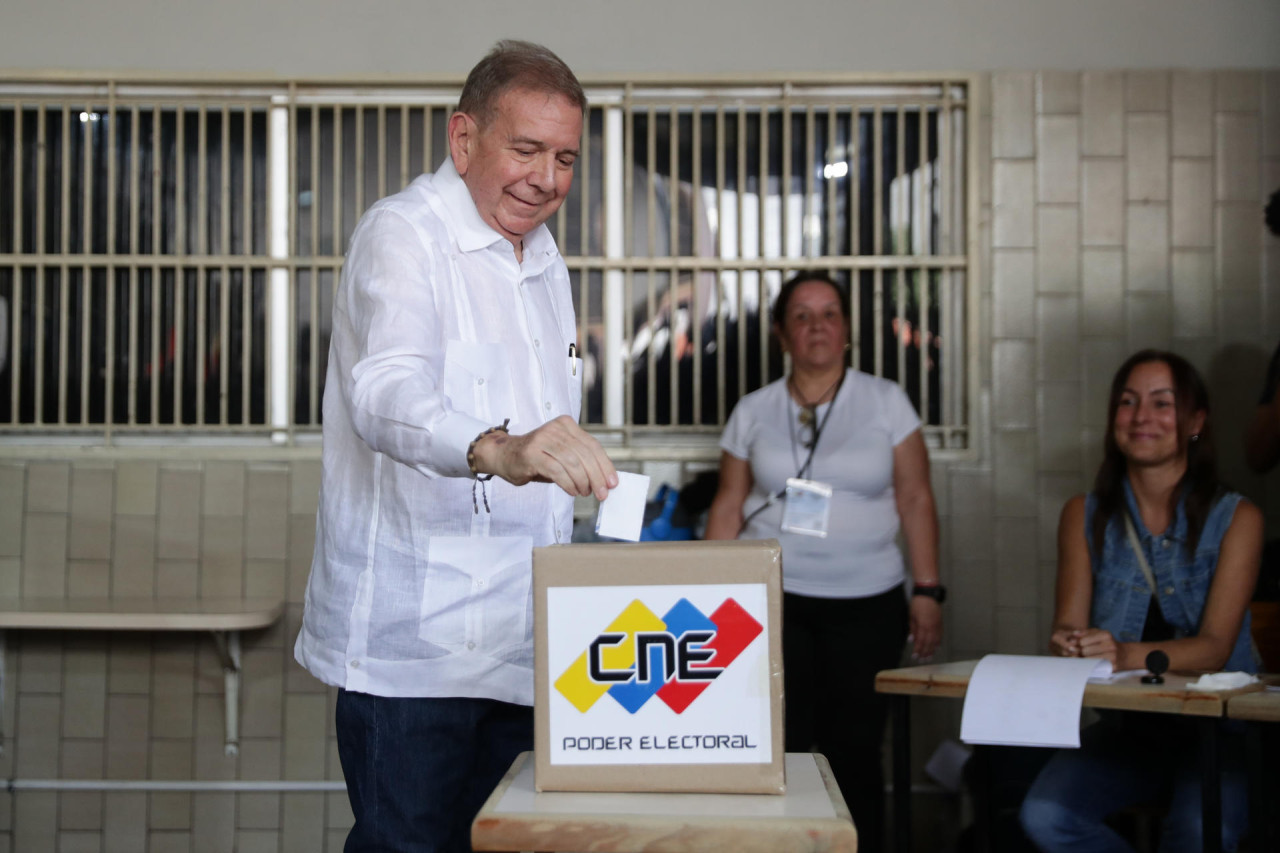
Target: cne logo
(675,657)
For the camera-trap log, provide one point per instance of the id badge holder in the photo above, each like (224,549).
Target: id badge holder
(808,506)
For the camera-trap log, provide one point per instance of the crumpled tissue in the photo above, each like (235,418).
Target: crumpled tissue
(1223,681)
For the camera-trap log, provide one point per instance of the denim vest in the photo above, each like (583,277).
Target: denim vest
(1120,591)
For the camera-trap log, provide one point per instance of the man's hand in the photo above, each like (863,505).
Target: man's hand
(926,627)
(559,452)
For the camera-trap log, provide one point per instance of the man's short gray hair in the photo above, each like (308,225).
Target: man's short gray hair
(515,64)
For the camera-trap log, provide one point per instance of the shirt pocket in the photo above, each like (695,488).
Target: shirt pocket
(476,592)
(477,380)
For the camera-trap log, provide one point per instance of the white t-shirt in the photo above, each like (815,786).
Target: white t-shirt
(859,556)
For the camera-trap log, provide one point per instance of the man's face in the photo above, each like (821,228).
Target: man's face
(518,167)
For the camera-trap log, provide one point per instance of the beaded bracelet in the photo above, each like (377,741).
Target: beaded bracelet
(471,464)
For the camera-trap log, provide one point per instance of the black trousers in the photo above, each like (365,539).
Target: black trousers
(832,649)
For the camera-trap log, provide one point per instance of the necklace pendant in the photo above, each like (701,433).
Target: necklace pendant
(806,416)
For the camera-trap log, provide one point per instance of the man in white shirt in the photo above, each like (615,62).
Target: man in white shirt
(451,449)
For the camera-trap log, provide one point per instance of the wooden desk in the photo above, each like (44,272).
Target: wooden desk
(1258,709)
(225,618)
(809,818)
(951,681)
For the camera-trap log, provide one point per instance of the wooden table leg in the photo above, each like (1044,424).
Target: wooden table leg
(901,710)
(1210,786)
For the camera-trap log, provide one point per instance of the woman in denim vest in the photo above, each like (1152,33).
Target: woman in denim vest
(1201,543)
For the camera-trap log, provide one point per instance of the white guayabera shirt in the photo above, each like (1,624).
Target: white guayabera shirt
(438,335)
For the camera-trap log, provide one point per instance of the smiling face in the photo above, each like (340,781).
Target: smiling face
(1146,428)
(519,166)
(814,329)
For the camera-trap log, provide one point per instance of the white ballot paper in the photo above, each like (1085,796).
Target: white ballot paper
(622,513)
(1027,700)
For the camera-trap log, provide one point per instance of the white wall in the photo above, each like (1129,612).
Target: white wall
(340,37)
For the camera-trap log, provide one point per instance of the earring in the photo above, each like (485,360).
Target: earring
(1195,437)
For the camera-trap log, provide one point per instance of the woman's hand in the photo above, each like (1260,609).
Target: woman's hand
(926,627)
(1097,643)
(1065,643)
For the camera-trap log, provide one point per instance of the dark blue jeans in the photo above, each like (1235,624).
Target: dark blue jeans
(418,770)
(1125,759)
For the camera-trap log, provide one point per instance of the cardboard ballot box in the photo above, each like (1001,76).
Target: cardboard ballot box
(659,667)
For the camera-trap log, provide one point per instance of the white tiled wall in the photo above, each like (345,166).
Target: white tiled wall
(1120,210)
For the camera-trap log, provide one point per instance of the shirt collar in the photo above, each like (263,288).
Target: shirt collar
(1177,531)
(474,234)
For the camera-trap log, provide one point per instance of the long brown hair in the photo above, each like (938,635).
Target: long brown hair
(1199,484)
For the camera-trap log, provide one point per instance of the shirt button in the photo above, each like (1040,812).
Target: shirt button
(1168,590)
(1165,544)
(480,381)
(537,343)
(355,664)
(479,583)
(547,405)
(470,646)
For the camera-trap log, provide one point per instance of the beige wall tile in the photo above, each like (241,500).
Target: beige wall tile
(971,494)
(91,499)
(1100,359)
(1013,210)
(13,480)
(1147,164)
(136,487)
(1239,247)
(1013,290)
(84,674)
(1192,210)
(1150,317)
(1237,90)
(48,487)
(1055,490)
(304,487)
(1192,113)
(167,840)
(177,578)
(214,825)
(1058,253)
(222,557)
(1271,115)
(36,744)
(1013,371)
(79,842)
(258,812)
(36,824)
(1102,111)
(82,758)
(1018,631)
(1102,202)
(10,576)
(224,488)
(171,759)
(264,578)
(338,811)
(44,559)
(305,735)
(128,728)
(1058,158)
(1102,292)
(1058,92)
(969,539)
(1236,166)
(261,760)
(129,663)
(1146,91)
(89,579)
(133,566)
(212,762)
(41,664)
(257,841)
(178,535)
(1058,408)
(1240,316)
(1013,114)
(81,810)
(302,537)
(262,694)
(972,619)
(302,823)
(125,829)
(1193,294)
(1016,560)
(1057,337)
(170,820)
(266,522)
(1147,247)
(173,700)
(1014,453)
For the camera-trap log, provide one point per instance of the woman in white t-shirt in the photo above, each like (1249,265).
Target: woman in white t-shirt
(855,439)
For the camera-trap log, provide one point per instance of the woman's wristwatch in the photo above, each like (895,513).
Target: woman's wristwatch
(936,591)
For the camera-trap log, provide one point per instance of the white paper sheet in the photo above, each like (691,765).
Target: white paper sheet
(1027,700)
(622,513)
